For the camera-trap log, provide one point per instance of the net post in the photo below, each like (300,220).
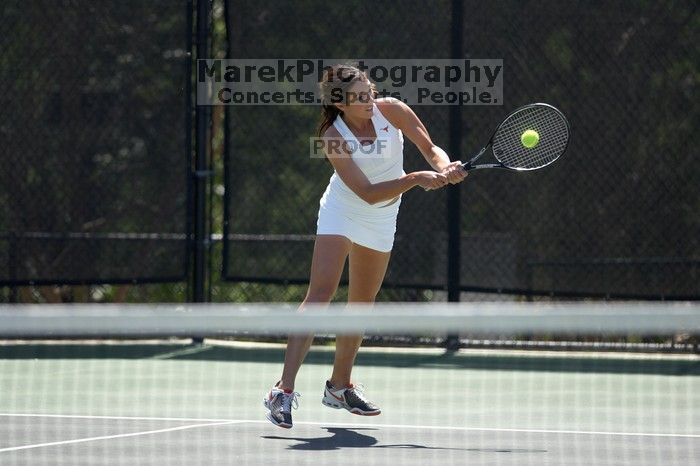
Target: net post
(453,192)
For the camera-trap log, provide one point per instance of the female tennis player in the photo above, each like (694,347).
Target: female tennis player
(363,140)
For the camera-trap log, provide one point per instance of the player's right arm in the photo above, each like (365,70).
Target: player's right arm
(355,179)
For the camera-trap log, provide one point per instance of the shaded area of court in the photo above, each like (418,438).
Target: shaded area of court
(503,360)
(173,403)
(258,443)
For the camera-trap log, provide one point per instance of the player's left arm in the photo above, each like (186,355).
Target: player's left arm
(402,117)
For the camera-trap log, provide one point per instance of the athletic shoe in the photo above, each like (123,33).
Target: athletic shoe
(280,403)
(351,398)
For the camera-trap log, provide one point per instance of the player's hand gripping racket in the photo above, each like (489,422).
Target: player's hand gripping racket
(531,137)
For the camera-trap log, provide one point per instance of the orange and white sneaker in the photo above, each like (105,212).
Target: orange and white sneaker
(351,398)
(280,403)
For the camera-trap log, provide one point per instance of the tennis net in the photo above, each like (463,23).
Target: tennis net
(179,383)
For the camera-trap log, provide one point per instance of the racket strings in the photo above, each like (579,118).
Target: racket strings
(549,124)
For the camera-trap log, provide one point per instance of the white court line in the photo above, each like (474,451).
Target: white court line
(107,437)
(181,352)
(485,352)
(493,429)
(370,426)
(125,418)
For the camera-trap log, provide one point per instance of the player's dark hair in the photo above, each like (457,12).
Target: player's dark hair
(333,87)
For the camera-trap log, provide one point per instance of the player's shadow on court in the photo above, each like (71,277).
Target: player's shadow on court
(349,438)
(341,438)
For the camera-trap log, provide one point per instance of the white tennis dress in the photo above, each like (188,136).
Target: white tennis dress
(342,212)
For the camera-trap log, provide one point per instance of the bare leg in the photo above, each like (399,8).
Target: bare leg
(367,270)
(330,252)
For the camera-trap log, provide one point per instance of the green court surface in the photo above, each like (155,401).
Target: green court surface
(177,404)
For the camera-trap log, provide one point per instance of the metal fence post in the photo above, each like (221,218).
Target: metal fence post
(202,173)
(453,192)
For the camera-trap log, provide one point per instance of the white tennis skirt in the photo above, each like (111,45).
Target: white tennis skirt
(375,231)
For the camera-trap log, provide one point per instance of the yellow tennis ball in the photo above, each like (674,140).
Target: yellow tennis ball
(530,138)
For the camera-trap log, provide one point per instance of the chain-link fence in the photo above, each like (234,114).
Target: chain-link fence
(618,216)
(95,132)
(274,186)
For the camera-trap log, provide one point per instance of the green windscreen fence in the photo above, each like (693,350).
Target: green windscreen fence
(96,135)
(617,216)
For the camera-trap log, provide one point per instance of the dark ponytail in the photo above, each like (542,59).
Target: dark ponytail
(329,113)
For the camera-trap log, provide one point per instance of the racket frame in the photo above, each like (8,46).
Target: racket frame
(469,165)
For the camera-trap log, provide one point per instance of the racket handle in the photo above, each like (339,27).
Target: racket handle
(485,165)
(469,165)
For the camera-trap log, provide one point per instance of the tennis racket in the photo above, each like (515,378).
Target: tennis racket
(540,123)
